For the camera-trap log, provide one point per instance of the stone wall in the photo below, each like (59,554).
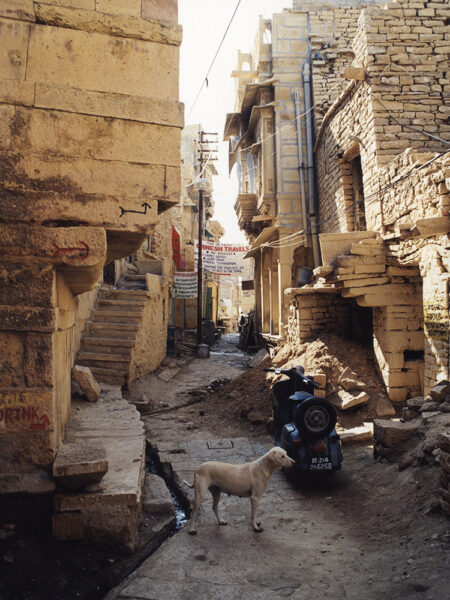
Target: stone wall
(89,155)
(385,120)
(315,312)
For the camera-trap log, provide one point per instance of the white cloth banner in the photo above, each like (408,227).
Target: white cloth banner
(223,259)
(185,284)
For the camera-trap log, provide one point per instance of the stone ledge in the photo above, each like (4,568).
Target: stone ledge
(103,104)
(110,514)
(116,25)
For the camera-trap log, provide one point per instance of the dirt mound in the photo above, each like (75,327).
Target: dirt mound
(249,395)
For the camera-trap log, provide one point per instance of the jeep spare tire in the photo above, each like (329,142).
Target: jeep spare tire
(315,418)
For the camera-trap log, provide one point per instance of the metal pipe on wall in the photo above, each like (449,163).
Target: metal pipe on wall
(306,73)
(301,165)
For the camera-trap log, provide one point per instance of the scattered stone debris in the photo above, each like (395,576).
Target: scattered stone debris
(167,374)
(345,400)
(364,433)
(87,382)
(258,358)
(444,461)
(421,437)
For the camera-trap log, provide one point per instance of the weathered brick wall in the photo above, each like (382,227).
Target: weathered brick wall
(366,116)
(414,188)
(312,313)
(404,48)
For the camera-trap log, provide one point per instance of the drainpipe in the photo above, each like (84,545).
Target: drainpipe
(301,165)
(310,161)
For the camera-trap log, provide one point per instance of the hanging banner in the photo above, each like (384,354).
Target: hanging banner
(185,284)
(223,259)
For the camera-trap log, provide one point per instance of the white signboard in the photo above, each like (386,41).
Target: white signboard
(185,284)
(223,259)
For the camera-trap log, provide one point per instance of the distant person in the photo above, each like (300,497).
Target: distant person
(241,323)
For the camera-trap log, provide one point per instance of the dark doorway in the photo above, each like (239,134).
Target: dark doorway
(359,213)
(362,324)
(109,273)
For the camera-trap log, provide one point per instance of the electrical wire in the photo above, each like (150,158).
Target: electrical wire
(205,80)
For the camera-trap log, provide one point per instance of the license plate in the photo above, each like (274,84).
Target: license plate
(320,467)
(321,463)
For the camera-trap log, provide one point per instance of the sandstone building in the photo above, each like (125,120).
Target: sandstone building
(380,191)
(89,156)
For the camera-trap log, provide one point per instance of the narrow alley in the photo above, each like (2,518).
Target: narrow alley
(224,271)
(356,536)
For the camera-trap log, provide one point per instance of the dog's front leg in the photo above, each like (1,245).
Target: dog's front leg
(254,500)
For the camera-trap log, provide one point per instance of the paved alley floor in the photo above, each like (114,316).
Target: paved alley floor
(362,536)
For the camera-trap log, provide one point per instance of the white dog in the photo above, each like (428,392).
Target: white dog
(246,481)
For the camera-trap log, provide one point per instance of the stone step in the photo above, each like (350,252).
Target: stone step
(110,376)
(112,294)
(130,277)
(114,346)
(133,286)
(135,306)
(109,361)
(112,330)
(114,316)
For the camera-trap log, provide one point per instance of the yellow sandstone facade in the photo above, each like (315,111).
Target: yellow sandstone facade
(89,155)
(380,190)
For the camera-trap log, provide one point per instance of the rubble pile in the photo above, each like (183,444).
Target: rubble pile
(444,460)
(421,437)
(353,383)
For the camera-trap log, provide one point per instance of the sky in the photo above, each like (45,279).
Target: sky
(204,23)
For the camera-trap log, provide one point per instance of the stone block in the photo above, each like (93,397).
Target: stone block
(35,482)
(153,283)
(16,92)
(37,359)
(384,407)
(440,391)
(160,10)
(118,7)
(345,400)
(80,464)
(41,132)
(64,57)
(364,433)
(87,382)
(157,498)
(121,106)
(394,433)
(14,40)
(68,526)
(27,410)
(11,352)
(8,125)
(444,461)
(21,10)
(74,246)
(321,379)
(415,403)
(356,73)
(444,441)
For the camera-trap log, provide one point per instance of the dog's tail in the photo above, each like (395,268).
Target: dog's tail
(191,485)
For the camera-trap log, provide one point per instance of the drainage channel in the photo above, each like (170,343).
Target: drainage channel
(180,502)
(181,505)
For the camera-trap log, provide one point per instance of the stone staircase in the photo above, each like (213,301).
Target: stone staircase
(133,282)
(110,334)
